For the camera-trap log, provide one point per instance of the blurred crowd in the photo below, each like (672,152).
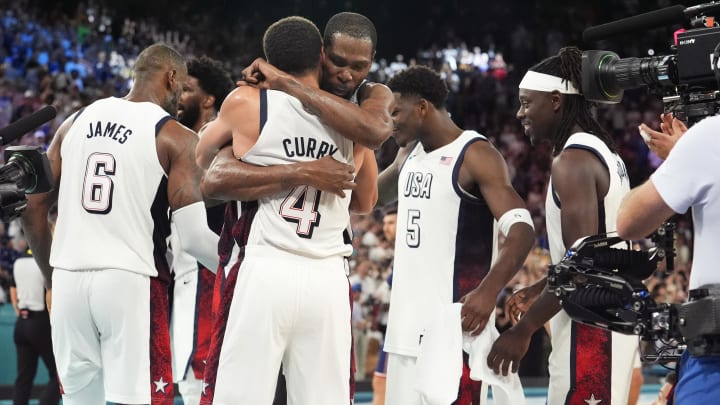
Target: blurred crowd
(69,59)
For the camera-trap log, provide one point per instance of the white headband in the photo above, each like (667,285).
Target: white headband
(547,83)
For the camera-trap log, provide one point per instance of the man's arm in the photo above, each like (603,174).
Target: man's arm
(176,150)
(488,170)
(14,300)
(365,195)
(230,179)
(369,124)
(642,211)
(35,217)
(388,178)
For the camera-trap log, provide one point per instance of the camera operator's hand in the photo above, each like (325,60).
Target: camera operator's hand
(662,142)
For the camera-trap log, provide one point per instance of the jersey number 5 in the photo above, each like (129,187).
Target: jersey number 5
(412,237)
(300,207)
(98,185)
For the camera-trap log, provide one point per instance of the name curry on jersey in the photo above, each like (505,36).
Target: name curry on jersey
(307,147)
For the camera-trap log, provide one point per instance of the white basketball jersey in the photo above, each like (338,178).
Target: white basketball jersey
(566,369)
(302,220)
(619,186)
(113,191)
(444,243)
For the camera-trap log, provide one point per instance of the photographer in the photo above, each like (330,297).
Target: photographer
(688,178)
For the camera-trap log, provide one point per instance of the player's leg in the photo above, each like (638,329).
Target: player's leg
(183,332)
(624,353)
(74,335)
(400,384)
(129,308)
(636,380)
(318,358)
(255,333)
(190,388)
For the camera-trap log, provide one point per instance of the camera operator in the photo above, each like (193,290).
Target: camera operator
(688,178)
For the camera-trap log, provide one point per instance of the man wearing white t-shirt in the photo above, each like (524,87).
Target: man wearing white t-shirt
(687,179)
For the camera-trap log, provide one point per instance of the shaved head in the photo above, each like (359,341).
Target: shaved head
(157,58)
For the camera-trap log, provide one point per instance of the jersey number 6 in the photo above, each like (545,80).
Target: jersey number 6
(98,185)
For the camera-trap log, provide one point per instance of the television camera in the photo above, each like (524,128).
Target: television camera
(26,169)
(600,284)
(687,80)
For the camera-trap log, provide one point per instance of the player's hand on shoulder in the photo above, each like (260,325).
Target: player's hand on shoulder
(262,74)
(328,174)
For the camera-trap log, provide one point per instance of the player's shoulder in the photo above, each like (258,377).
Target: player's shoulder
(369,89)
(241,96)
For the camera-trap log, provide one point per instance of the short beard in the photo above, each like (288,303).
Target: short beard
(190,115)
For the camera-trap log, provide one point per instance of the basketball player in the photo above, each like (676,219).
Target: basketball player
(350,39)
(191,318)
(452,187)
(349,47)
(124,161)
(588,180)
(290,295)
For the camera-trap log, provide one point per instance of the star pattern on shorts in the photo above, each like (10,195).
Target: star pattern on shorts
(592,400)
(205,385)
(160,385)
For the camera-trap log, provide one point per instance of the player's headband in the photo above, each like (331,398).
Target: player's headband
(547,83)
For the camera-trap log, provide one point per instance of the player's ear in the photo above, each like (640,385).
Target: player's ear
(171,78)
(423,107)
(208,101)
(557,100)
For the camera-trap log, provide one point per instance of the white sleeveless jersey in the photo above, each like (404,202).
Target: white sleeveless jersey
(619,186)
(444,244)
(302,220)
(613,359)
(112,202)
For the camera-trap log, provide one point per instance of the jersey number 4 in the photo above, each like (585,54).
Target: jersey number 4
(98,185)
(300,207)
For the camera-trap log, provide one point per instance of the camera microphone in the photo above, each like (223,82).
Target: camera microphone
(654,19)
(24,125)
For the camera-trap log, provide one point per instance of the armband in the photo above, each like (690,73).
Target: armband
(512,217)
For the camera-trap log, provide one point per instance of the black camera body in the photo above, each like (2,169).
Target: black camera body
(26,171)
(600,285)
(688,80)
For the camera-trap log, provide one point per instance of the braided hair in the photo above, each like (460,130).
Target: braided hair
(576,110)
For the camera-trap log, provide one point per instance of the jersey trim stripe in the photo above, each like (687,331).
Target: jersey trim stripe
(161,230)
(160,124)
(591,150)
(263,108)
(80,111)
(456,171)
